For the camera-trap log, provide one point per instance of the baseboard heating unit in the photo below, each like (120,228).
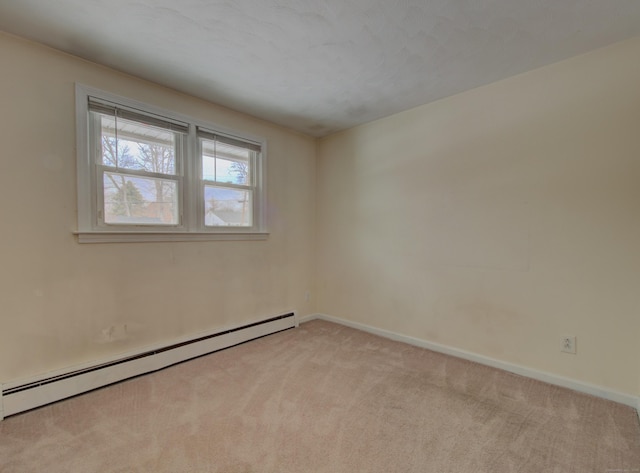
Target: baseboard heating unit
(21,396)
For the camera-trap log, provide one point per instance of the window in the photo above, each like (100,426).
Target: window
(146,174)
(227,179)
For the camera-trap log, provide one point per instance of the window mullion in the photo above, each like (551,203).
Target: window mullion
(192,189)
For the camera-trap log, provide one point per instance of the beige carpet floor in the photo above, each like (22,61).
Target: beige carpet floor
(325,398)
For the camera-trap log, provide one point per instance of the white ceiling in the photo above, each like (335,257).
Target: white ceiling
(322,65)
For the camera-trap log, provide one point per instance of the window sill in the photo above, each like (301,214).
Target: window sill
(148,237)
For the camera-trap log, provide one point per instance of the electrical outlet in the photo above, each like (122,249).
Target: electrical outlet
(569,344)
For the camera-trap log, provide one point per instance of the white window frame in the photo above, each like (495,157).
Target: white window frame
(191,225)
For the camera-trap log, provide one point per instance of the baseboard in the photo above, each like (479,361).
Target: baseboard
(546,377)
(22,395)
(309,318)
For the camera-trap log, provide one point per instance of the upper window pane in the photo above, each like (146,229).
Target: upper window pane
(225,163)
(127,144)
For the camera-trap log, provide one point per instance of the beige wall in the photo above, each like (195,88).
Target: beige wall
(498,220)
(58,297)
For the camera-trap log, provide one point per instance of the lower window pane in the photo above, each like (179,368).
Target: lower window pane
(227,207)
(134,200)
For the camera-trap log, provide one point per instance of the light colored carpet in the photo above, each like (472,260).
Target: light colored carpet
(325,398)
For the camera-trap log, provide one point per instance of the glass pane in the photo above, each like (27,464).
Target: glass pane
(134,200)
(222,162)
(227,207)
(128,144)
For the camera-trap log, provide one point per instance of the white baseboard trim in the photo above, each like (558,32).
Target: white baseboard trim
(546,377)
(22,395)
(310,317)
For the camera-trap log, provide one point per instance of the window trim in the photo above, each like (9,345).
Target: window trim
(192,227)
